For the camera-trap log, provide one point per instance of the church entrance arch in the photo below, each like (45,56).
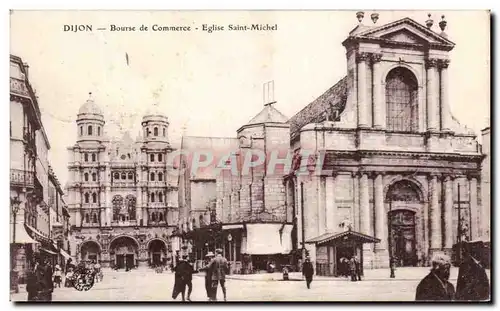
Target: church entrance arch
(90,251)
(405,202)
(157,252)
(124,253)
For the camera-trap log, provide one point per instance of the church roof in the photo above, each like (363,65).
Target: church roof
(314,112)
(90,107)
(268,115)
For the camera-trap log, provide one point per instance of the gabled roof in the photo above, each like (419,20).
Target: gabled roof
(268,115)
(406,31)
(346,235)
(334,97)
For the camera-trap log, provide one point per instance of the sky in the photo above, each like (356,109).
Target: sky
(210,84)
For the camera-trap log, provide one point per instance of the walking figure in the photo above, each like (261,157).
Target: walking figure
(58,276)
(358,267)
(208,275)
(183,277)
(218,268)
(353,269)
(308,271)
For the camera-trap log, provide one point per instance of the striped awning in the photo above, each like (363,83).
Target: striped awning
(342,237)
(21,236)
(37,235)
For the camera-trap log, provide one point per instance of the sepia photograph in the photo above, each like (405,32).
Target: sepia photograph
(250,156)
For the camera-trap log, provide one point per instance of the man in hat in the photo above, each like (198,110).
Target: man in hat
(435,286)
(308,271)
(218,268)
(208,276)
(183,277)
(472,283)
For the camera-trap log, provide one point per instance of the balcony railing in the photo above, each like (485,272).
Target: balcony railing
(21,178)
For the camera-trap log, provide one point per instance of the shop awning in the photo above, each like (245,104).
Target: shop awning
(48,251)
(269,239)
(349,235)
(37,235)
(65,254)
(22,237)
(235,226)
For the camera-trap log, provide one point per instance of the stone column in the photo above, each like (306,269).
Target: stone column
(381,216)
(379,113)
(435,214)
(432,111)
(364,204)
(321,205)
(138,210)
(445,107)
(109,205)
(330,203)
(361,59)
(448,212)
(356,219)
(473,208)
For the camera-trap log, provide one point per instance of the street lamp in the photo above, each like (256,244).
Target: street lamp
(14,204)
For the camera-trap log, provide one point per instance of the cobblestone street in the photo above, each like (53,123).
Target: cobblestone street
(148,286)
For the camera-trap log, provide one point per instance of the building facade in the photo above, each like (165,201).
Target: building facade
(121,196)
(394,164)
(486,183)
(29,179)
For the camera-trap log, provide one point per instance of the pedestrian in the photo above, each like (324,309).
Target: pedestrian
(183,277)
(358,267)
(208,276)
(218,268)
(308,271)
(472,283)
(353,269)
(49,284)
(435,286)
(68,279)
(98,272)
(32,285)
(58,276)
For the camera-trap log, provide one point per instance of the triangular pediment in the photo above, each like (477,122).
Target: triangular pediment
(405,31)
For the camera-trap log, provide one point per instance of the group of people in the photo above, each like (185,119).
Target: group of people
(472,282)
(216,268)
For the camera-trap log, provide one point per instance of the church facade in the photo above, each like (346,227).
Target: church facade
(395,167)
(122,199)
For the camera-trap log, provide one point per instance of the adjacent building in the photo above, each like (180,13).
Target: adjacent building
(30,228)
(122,197)
(486,184)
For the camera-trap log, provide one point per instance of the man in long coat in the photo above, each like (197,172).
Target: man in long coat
(208,274)
(183,277)
(435,286)
(308,271)
(472,283)
(218,268)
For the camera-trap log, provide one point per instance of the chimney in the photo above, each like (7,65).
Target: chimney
(374,17)
(360,15)
(429,22)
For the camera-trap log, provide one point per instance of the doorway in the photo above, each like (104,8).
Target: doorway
(120,261)
(343,255)
(402,238)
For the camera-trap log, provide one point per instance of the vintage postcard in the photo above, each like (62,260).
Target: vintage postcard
(250,156)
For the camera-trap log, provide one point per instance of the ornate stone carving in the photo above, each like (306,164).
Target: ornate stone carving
(376,57)
(362,57)
(443,63)
(431,62)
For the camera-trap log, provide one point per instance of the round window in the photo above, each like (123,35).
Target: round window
(123,157)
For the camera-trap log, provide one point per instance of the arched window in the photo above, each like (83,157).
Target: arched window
(160,217)
(155,130)
(94,177)
(160,197)
(130,176)
(86,157)
(87,198)
(152,197)
(116,176)
(152,157)
(401,95)
(90,130)
(124,176)
(98,131)
(152,177)
(94,197)
(94,218)
(153,216)
(81,130)
(94,158)
(164,132)
(87,218)
(86,176)
(160,176)
(160,157)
